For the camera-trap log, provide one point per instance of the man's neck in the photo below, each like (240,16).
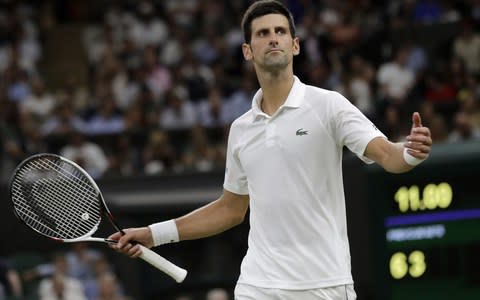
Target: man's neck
(275,90)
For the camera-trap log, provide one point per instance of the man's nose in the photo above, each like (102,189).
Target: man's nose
(273,41)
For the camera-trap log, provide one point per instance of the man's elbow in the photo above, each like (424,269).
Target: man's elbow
(237,219)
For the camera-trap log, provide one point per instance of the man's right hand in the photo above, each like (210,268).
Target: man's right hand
(126,243)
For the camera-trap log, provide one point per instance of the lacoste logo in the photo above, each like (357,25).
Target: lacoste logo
(301,132)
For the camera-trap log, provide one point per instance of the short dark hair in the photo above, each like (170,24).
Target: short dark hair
(260,9)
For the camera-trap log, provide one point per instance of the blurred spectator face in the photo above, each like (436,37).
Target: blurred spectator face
(467,30)
(77,139)
(38,88)
(58,285)
(438,129)
(391,116)
(217,294)
(107,286)
(60,263)
(174,102)
(462,123)
(402,56)
(215,99)
(108,107)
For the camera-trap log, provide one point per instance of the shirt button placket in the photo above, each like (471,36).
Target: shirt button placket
(270,133)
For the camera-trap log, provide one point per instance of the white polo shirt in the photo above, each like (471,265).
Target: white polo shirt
(290,164)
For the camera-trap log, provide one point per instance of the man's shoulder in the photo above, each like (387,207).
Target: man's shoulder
(319,96)
(246,118)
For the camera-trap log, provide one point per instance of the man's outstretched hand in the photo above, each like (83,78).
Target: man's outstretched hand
(419,142)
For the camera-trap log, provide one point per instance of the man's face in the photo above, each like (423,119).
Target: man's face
(271,47)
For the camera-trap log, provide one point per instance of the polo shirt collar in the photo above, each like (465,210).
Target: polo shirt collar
(294,100)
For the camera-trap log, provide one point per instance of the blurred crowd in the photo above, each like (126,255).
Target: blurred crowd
(166,78)
(78,273)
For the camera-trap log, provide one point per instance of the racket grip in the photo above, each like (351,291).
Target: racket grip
(162,264)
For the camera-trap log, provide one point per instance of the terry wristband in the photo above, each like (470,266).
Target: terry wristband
(411,160)
(164,232)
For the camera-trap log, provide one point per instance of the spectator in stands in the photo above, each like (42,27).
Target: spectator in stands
(11,137)
(124,158)
(463,129)
(107,119)
(60,285)
(173,50)
(18,88)
(158,154)
(391,124)
(87,154)
(158,76)
(197,77)
(182,12)
(417,58)
(147,29)
(466,46)
(33,141)
(39,104)
(213,111)
(103,285)
(179,112)
(438,128)
(81,259)
(359,86)
(109,288)
(62,122)
(10,282)
(199,154)
(217,294)
(395,79)
(125,86)
(241,99)
(209,45)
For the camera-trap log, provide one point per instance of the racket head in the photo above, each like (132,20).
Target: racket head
(55,197)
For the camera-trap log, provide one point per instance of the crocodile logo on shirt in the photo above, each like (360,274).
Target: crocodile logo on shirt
(301,132)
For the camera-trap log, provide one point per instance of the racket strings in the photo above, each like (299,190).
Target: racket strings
(56,199)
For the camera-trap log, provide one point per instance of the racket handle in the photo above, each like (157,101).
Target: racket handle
(162,264)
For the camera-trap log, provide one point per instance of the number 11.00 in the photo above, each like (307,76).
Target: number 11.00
(433,197)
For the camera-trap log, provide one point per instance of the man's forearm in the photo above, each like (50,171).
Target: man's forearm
(211,219)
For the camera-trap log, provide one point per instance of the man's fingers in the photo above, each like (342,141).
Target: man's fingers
(115,236)
(420,139)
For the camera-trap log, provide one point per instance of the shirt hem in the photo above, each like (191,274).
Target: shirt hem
(298,285)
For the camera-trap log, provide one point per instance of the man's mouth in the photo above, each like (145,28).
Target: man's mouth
(274,50)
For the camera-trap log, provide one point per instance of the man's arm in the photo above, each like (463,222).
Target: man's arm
(401,157)
(222,214)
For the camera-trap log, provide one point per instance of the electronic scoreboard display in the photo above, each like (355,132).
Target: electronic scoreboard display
(427,224)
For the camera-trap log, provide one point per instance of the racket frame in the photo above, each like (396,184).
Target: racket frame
(148,255)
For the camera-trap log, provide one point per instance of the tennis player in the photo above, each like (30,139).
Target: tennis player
(284,161)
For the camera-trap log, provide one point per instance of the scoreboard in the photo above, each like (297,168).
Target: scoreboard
(427,226)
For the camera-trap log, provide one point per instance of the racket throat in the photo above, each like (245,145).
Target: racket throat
(91,239)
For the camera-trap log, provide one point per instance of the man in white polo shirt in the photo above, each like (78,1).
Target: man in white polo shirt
(284,161)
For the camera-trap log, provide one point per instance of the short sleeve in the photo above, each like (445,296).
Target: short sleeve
(352,128)
(235,180)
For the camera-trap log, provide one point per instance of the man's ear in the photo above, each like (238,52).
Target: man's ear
(247,51)
(296,46)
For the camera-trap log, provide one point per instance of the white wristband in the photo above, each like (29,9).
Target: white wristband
(164,232)
(411,160)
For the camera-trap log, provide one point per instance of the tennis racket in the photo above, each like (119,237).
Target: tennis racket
(58,199)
